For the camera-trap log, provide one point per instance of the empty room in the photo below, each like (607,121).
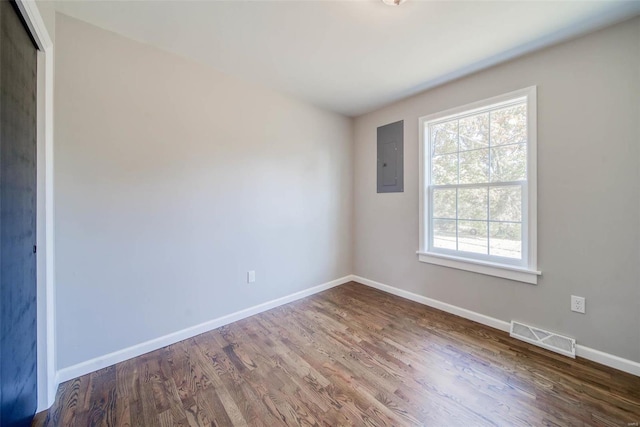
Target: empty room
(319,213)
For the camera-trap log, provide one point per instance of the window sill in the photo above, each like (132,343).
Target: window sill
(490,269)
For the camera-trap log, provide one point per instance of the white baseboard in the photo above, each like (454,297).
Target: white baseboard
(157,343)
(594,355)
(607,359)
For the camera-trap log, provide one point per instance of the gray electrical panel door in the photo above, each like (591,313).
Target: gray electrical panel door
(390,158)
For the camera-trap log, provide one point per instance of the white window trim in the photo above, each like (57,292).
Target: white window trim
(527,272)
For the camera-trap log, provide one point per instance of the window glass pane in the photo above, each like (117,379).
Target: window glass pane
(444,234)
(445,169)
(472,203)
(474,132)
(508,163)
(505,203)
(477,177)
(444,203)
(472,236)
(444,137)
(474,167)
(505,240)
(509,125)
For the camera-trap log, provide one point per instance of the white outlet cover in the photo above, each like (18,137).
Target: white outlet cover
(578,304)
(251,276)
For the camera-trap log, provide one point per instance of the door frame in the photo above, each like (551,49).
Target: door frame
(46,360)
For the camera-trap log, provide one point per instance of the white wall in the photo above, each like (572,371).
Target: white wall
(171,181)
(588,194)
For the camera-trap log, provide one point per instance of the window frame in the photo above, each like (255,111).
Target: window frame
(524,270)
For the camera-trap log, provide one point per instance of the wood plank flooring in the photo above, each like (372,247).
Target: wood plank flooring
(348,356)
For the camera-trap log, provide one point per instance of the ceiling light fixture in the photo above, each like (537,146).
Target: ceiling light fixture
(393,2)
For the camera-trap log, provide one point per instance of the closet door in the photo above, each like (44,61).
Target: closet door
(18,396)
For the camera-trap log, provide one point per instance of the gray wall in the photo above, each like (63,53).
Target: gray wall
(171,181)
(588,194)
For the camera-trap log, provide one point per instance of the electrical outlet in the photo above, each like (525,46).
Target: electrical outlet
(251,276)
(577,304)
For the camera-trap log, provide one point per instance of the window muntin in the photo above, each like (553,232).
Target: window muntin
(477,183)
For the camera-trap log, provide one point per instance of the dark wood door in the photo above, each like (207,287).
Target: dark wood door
(18,390)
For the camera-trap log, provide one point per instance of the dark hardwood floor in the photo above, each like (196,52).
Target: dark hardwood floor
(351,355)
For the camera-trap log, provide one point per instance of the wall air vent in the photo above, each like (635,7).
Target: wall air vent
(545,339)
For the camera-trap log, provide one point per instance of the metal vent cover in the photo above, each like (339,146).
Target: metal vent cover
(545,339)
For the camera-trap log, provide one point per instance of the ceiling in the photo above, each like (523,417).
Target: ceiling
(349,56)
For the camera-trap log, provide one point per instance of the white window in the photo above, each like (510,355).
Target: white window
(478,187)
